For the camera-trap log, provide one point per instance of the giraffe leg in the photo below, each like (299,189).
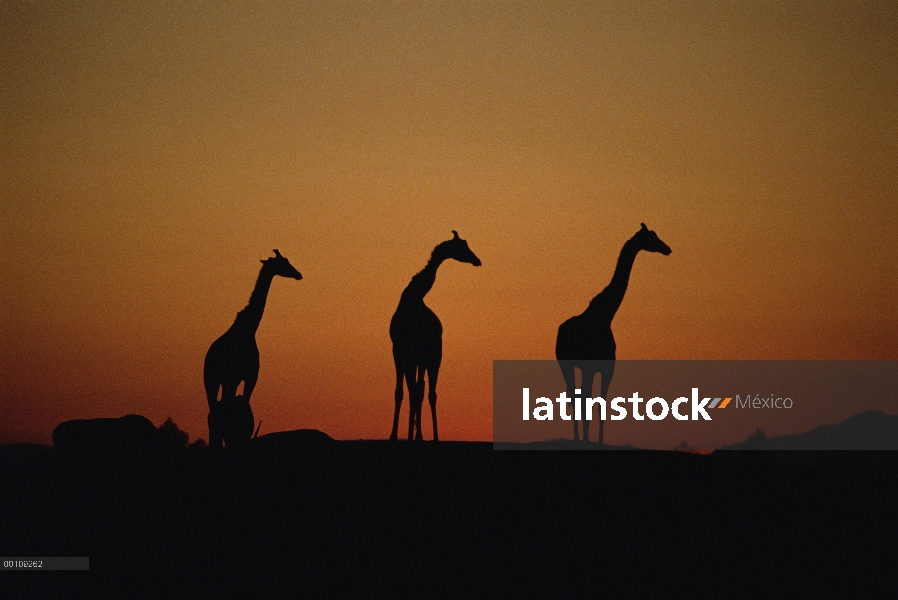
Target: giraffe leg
(432,373)
(567,371)
(212,386)
(419,403)
(249,384)
(607,371)
(586,385)
(398,398)
(212,373)
(412,384)
(212,398)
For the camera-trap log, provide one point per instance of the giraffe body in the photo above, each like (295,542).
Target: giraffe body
(417,336)
(234,358)
(586,342)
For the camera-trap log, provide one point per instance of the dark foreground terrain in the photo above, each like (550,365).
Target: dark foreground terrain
(298,514)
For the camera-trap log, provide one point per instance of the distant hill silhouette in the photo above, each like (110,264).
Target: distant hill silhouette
(871,430)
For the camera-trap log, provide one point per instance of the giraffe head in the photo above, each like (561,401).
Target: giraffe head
(281,266)
(457,249)
(649,240)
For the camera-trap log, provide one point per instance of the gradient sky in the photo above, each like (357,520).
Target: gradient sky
(153,152)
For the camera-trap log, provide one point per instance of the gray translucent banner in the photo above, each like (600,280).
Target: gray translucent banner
(42,563)
(800,405)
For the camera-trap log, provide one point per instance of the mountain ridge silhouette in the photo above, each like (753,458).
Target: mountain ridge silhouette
(870,430)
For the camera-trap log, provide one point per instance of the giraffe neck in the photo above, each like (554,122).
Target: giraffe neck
(250,317)
(609,300)
(421,283)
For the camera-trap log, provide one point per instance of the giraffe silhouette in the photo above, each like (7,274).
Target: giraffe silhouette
(585,341)
(417,336)
(234,357)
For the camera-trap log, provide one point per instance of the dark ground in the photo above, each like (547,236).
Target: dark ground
(297,514)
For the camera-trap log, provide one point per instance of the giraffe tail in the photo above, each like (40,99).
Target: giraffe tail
(255,435)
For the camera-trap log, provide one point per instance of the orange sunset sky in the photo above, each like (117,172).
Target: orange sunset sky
(154,152)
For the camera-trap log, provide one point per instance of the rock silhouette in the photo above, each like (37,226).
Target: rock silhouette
(234,358)
(585,341)
(127,437)
(129,441)
(417,336)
